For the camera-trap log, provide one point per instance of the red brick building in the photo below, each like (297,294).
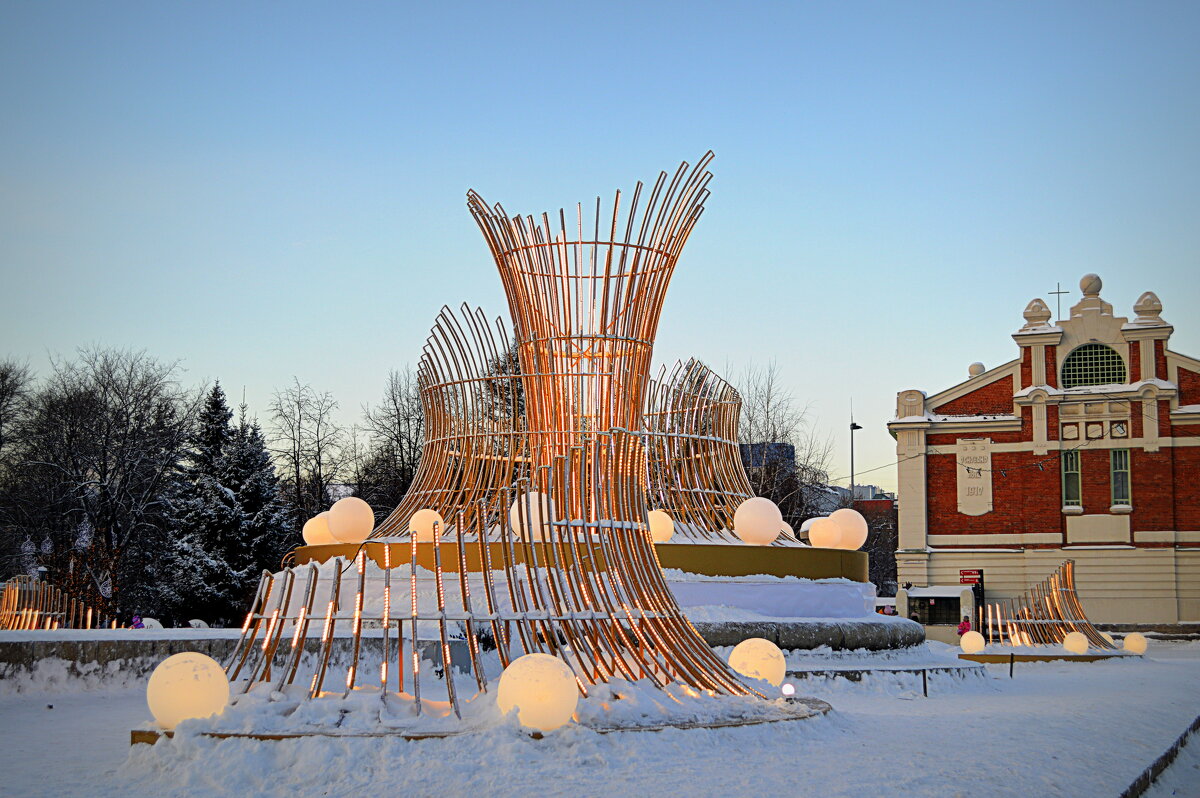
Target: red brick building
(1085,446)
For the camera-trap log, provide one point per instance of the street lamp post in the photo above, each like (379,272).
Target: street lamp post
(853,427)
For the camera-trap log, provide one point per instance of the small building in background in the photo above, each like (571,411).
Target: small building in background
(1086,446)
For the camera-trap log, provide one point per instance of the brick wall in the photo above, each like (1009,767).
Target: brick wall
(1189,387)
(1187,488)
(1025,498)
(1052,366)
(995,398)
(1094,480)
(1153,496)
(1160,359)
(1135,361)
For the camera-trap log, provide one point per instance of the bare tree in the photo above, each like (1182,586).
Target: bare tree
(785,459)
(770,413)
(97,451)
(15,382)
(386,459)
(310,447)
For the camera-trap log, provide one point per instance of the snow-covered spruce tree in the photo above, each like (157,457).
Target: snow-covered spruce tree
(207,520)
(229,522)
(255,485)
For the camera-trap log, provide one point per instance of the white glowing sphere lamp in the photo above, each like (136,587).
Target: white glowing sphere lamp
(536,510)
(1134,643)
(541,688)
(350,520)
(757,658)
(853,526)
(1108,638)
(1075,643)
(972,642)
(661,526)
(825,533)
(423,524)
(184,686)
(316,530)
(757,521)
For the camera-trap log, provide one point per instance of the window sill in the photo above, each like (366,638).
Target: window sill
(1121,509)
(1072,510)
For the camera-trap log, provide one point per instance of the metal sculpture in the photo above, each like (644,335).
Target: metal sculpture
(474,444)
(28,603)
(545,544)
(1045,614)
(695,467)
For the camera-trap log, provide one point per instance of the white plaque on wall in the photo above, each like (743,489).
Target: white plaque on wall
(974,476)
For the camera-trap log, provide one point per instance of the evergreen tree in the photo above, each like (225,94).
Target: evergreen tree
(230,522)
(251,476)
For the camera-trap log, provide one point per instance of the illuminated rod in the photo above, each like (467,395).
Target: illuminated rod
(299,627)
(270,629)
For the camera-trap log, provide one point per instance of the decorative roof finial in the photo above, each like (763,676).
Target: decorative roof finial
(1091,284)
(1037,314)
(1148,309)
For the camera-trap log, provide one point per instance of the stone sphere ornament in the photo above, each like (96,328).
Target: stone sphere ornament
(853,526)
(757,521)
(351,520)
(757,658)
(184,686)
(788,532)
(1108,638)
(316,530)
(972,642)
(1075,643)
(1134,643)
(825,533)
(661,526)
(423,522)
(536,509)
(541,688)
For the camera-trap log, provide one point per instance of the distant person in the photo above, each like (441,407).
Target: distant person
(965,626)
(137,623)
(914,617)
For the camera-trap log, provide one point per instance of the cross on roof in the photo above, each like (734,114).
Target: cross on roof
(1058,300)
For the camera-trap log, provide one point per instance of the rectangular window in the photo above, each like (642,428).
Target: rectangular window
(1070,478)
(1119,469)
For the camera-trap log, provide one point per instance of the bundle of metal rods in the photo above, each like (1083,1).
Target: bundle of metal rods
(585,588)
(1045,614)
(29,603)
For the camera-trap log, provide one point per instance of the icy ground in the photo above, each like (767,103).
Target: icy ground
(1057,729)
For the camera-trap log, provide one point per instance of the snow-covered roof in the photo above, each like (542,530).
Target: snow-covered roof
(937,591)
(937,418)
(1133,387)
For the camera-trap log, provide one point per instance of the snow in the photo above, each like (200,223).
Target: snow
(937,418)
(938,591)
(1132,387)
(1182,778)
(1056,729)
(772,596)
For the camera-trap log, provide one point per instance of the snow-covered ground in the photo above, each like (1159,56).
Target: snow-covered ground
(1057,729)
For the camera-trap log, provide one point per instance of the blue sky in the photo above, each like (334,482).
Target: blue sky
(276,189)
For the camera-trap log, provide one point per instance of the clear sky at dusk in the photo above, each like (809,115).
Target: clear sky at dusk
(269,190)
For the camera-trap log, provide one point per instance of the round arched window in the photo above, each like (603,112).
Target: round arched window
(1093,364)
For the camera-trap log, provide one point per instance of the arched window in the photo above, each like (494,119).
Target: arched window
(1093,364)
